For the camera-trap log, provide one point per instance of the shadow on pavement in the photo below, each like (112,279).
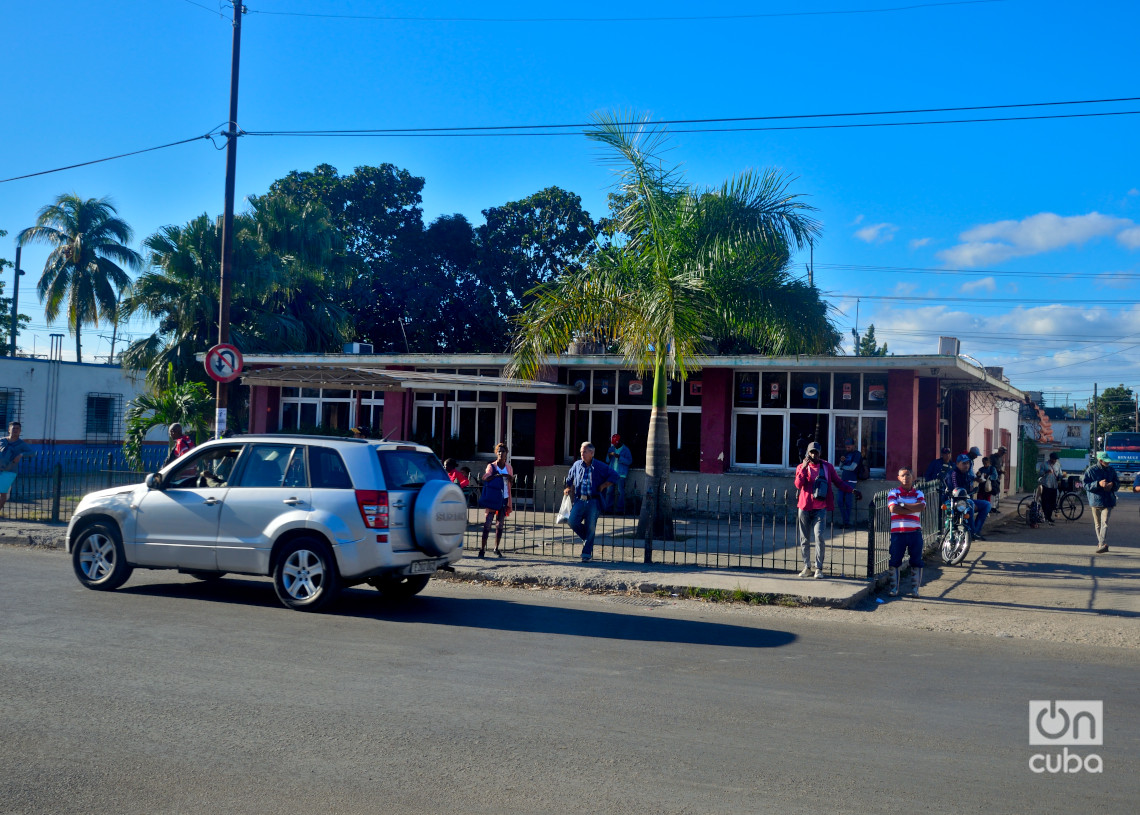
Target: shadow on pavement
(486,613)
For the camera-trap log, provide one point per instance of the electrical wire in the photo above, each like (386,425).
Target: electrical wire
(847,267)
(694,18)
(576,128)
(100,160)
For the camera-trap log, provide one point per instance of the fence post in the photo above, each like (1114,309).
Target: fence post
(57,473)
(871,539)
(110,462)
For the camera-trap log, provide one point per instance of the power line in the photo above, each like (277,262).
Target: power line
(573,129)
(907,298)
(694,18)
(207,8)
(100,160)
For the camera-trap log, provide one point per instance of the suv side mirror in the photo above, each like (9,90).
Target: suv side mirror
(154,481)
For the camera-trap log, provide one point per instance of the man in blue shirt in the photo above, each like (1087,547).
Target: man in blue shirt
(1101,483)
(584,484)
(620,459)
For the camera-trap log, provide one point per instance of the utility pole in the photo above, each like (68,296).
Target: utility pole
(17,272)
(1095,411)
(811,263)
(228,217)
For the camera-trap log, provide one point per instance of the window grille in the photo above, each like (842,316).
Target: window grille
(104,421)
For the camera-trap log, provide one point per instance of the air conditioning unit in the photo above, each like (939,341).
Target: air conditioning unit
(949,346)
(358,348)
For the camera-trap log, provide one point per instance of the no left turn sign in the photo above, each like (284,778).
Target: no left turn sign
(223,363)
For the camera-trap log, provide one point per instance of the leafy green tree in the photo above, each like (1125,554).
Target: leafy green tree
(531,241)
(85,267)
(22,320)
(686,267)
(1115,409)
(288,272)
(868,345)
(189,403)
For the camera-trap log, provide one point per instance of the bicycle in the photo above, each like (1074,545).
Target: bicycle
(1070,502)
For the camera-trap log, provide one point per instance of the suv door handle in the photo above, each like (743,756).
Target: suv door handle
(211,501)
(399,505)
(292,501)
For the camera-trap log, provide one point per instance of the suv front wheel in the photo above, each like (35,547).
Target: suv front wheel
(98,559)
(305,578)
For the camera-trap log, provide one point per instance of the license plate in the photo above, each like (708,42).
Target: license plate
(423,567)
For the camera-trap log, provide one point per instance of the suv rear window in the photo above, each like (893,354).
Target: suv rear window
(409,469)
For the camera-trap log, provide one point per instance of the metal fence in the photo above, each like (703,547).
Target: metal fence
(50,483)
(713,527)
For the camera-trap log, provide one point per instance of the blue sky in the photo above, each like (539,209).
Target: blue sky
(1050,207)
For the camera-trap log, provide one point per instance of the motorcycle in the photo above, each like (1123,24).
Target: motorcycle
(958,526)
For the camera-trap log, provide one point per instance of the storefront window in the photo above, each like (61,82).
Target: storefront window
(873,441)
(848,392)
(774,390)
(811,390)
(875,392)
(804,429)
(746,389)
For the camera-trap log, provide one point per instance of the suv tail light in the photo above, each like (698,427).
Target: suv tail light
(373,508)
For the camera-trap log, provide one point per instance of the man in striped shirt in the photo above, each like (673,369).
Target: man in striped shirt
(906,505)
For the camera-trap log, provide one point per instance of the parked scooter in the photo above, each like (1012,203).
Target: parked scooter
(957,530)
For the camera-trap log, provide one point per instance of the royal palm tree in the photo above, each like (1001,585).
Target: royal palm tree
(85,267)
(684,270)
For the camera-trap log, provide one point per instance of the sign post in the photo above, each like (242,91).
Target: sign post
(223,364)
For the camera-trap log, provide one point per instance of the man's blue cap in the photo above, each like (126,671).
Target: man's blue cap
(962,457)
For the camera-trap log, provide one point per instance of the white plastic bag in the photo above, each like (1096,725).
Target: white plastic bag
(563,516)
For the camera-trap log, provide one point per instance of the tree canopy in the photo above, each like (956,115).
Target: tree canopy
(1115,409)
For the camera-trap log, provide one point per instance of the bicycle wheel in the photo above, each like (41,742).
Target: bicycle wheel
(1072,507)
(1023,507)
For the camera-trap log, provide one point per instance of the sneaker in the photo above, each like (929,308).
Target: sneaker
(1100,550)
(1050,523)
(819,574)
(587,558)
(806,572)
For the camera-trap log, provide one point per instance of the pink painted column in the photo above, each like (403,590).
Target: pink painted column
(545,430)
(393,419)
(264,409)
(902,421)
(716,419)
(929,419)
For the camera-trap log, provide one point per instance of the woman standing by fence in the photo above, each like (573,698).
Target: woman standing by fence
(499,474)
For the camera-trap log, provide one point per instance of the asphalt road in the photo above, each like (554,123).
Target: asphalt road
(170,695)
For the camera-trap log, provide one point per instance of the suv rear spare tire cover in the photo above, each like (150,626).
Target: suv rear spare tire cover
(440,517)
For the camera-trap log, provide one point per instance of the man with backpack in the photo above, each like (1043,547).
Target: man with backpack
(814,479)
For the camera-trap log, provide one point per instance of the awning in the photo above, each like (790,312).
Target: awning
(382,379)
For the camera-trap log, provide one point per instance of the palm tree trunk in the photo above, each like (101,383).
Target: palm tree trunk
(78,351)
(656,519)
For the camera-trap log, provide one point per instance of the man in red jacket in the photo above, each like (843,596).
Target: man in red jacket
(814,478)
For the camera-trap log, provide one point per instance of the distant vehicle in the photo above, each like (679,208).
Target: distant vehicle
(1123,454)
(313,513)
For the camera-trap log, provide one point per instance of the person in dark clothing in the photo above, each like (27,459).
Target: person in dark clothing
(998,461)
(1101,483)
(960,477)
(939,467)
(1050,478)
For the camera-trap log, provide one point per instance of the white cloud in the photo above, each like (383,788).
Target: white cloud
(858,220)
(1114,280)
(1134,191)
(985,284)
(877,233)
(1044,232)
(1130,237)
(918,243)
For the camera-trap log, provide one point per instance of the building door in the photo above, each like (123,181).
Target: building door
(521,424)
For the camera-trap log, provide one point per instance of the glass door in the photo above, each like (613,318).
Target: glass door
(521,424)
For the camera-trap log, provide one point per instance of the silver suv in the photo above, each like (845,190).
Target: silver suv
(315,513)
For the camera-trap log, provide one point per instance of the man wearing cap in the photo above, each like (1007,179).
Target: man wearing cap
(849,464)
(814,478)
(962,477)
(1101,483)
(619,459)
